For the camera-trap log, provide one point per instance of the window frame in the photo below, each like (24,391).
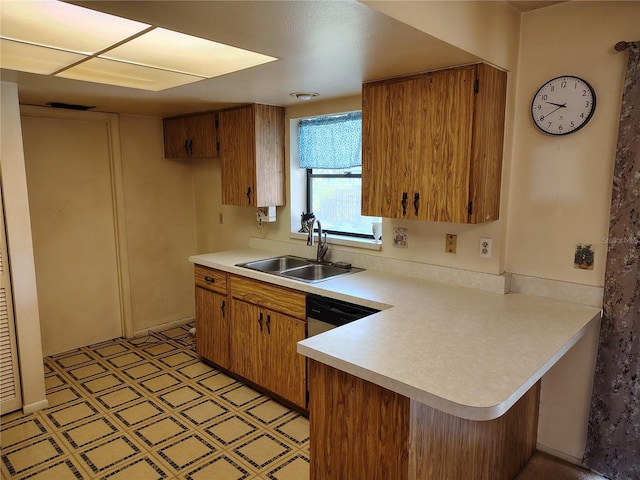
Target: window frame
(309,194)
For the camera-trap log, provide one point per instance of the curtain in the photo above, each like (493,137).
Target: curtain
(613,440)
(331,141)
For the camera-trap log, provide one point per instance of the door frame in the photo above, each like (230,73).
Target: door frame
(117,198)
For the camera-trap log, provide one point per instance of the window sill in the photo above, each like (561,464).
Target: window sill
(342,240)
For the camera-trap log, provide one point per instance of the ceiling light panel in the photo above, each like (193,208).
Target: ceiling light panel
(123,74)
(34,59)
(64,26)
(184,53)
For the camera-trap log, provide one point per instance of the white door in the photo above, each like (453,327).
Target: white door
(10,394)
(71,202)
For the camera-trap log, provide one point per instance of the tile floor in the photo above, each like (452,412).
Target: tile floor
(149,409)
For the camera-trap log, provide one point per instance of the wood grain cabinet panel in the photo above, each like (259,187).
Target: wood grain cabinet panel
(432,145)
(363,431)
(212,308)
(263,346)
(252,155)
(268,322)
(191,136)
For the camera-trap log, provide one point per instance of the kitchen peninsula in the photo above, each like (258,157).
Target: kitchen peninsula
(442,383)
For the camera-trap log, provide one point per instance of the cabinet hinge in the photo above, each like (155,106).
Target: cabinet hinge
(476,85)
(470,208)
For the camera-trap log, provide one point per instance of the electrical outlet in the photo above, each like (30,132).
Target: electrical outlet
(485,247)
(451,243)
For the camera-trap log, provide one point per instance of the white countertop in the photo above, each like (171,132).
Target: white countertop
(463,351)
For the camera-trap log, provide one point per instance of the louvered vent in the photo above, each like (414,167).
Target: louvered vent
(7,380)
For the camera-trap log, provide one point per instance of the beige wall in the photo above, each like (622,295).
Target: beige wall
(160,225)
(561,186)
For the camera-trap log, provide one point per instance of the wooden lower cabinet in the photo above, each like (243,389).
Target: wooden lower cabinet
(362,431)
(251,329)
(212,327)
(263,346)
(212,315)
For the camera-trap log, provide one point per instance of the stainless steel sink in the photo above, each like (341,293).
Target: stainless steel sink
(299,268)
(276,265)
(316,272)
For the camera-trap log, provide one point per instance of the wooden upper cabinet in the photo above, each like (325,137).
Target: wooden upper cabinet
(432,145)
(191,136)
(252,155)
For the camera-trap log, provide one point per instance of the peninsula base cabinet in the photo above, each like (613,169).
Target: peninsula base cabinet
(361,431)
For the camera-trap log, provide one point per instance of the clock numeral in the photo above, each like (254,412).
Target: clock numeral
(544,97)
(584,93)
(541,118)
(573,124)
(563,84)
(560,128)
(586,104)
(549,126)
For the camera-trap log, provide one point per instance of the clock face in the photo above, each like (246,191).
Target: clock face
(563,105)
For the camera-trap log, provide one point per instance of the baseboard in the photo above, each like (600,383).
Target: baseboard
(561,455)
(34,407)
(163,326)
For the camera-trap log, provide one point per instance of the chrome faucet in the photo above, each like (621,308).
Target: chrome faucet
(310,221)
(322,243)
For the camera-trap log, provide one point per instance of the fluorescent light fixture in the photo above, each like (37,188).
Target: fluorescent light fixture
(185,53)
(100,70)
(54,38)
(64,26)
(25,57)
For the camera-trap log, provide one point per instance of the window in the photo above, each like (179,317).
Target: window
(330,149)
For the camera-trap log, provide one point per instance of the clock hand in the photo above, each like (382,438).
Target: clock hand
(564,105)
(557,108)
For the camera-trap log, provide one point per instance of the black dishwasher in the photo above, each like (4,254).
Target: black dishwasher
(325,313)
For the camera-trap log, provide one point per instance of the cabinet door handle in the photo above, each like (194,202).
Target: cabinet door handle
(209,279)
(269,324)
(222,305)
(416,202)
(191,147)
(186,147)
(405,197)
(260,321)
(249,195)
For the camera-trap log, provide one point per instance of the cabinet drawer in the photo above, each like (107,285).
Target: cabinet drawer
(211,279)
(269,296)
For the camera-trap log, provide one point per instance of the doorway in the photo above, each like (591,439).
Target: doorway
(73,183)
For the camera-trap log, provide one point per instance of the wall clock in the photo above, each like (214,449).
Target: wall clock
(563,105)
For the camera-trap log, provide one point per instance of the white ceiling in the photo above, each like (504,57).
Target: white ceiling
(329,47)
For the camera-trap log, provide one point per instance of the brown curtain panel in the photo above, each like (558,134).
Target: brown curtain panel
(613,441)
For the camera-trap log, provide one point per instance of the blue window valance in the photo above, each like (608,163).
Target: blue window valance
(333,141)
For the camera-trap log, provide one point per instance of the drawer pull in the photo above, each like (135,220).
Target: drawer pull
(209,279)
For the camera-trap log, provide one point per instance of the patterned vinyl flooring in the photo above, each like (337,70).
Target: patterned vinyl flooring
(147,408)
